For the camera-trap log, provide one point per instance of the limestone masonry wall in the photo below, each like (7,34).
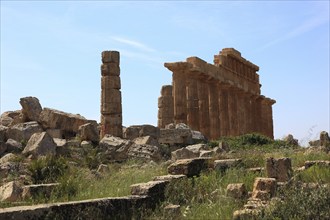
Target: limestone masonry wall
(111,108)
(220,99)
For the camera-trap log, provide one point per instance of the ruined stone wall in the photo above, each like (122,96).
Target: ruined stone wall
(111,108)
(220,99)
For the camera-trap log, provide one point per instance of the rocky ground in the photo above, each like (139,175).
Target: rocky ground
(34,132)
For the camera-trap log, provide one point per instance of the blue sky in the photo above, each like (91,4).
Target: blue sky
(52,50)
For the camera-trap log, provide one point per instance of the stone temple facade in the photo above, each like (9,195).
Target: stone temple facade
(220,99)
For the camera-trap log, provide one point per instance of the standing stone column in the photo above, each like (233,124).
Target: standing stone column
(203,106)
(258,115)
(264,117)
(223,110)
(214,110)
(248,115)
(192,103)
(165,107)
(179,96)
(240,112)
(232,112)
(111,108)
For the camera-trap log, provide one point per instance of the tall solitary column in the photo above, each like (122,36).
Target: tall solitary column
(232,112)
(111,108)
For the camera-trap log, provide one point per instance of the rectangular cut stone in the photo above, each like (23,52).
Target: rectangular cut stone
(110,69)
(110,82)
(189,167)
(110,57)
(111,108)
(166,91)
(111,95)
(164,102)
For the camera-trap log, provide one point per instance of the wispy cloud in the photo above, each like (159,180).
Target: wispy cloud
(134,43)
(308,25)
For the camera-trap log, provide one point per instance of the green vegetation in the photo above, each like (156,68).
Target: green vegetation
(202,197)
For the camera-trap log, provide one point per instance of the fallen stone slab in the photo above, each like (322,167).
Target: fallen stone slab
(323,163)
(169,177)
(38,189)
(236,190)
(10,192)
(189,167)
(23,131)
(154,189)
(104,208)
(223,165)
(40,144)
(264,188)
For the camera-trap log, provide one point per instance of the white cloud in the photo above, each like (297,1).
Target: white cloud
(134,43)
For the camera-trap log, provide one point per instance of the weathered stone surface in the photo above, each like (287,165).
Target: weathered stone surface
(40,144)
(31,108)
(183,153)
(10,192)
(7,118)
(136,131)
(154,189)
(280,169)
(7,158)
(172,211)
(3,148)
(149,140)
(188,167)
(169,177)
(206,153)
(322,163)
(237,190)
(324,139)
(197,148)
(3,133)
(264,188)
(110,57)
(148,152)
(246,214)
(104,208)
(175,136)
(23,131)
(115,147)
(198,137)
(131,132)
(55,133)
(291,140)
(222,165)
(13,146)
(29,191)
(89,132)
(67,122)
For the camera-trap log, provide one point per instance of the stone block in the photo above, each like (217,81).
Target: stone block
(31,108)
(23,131)
(165,102)
(237,190)
(169,177)
(222,165)
(151,188)
(323,163)
(89,132)
(10,192)
(183,153)
(111,81)
(166,90)
(110,57)
(110,95)
(55,133)
(67,122)
(279,169)
(264,188)
(110,69)
(189,167)
(172,211)
(146,152)
(40,144)
(246,214)
(175,136)
(146,140)
(13,146)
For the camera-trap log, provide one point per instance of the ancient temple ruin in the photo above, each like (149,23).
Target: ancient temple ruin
(111,108)
(220,99)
